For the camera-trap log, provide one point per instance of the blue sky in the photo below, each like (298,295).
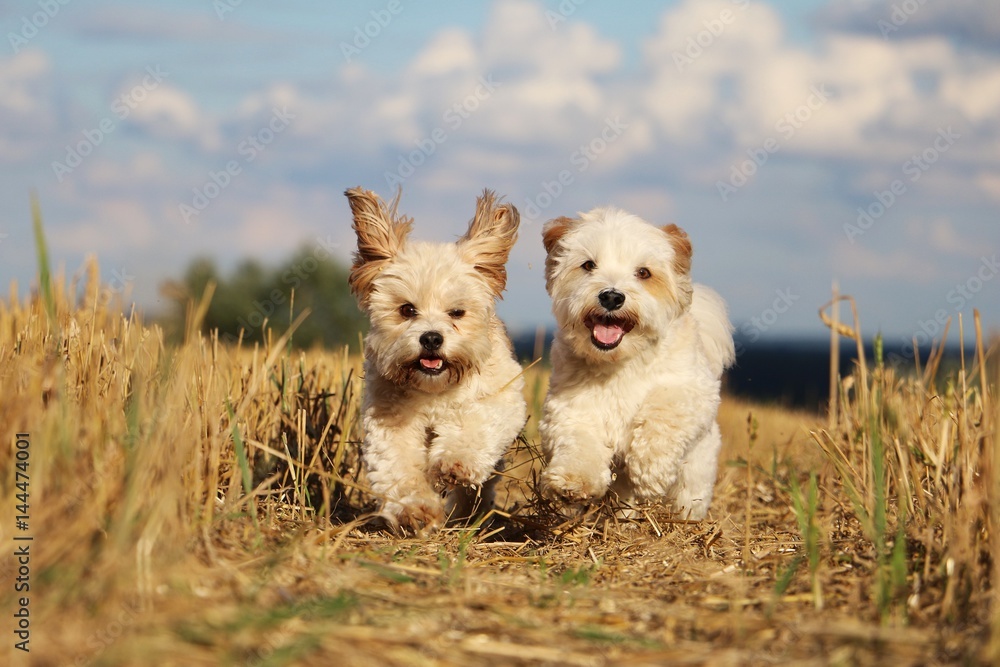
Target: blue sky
(797,142)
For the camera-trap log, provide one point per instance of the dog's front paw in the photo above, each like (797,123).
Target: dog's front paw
(573,488)
(449,474)
(417,514)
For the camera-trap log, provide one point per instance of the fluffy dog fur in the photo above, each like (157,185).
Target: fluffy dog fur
(637,363)
(443,395)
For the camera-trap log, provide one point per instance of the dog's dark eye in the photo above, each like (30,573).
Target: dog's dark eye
(589,265)
(643,273)
(456,313)
(408,311)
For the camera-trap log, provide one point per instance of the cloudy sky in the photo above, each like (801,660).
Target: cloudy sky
(797,142)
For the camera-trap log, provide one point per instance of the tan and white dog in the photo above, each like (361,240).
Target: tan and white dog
(637,364)
(443,396)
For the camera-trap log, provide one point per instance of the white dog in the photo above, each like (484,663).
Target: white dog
(637,362)
(443,396)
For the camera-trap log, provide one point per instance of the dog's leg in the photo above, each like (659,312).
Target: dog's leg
(674,448)
(468,450)
(621,493)
(468,444)
(578,451)
(464,503)
(396,460)
(693,492)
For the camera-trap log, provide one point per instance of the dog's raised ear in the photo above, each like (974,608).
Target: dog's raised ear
(381,235)
(488,242)
(555,229)
(682,248)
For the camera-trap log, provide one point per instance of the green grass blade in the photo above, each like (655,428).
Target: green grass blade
(781,585)
(44,270)
(241,453)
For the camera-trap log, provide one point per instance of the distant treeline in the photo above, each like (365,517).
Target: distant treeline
(253,294)
(795,372)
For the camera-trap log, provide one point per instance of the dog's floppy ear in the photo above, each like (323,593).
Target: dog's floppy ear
(381,236)
(554,230)
(682,248)
(488,242)
(552,233)
(682,263)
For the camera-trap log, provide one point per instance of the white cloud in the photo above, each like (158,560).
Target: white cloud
(945,237)
(16,77)
(698,49)
(168,112)
(975,91)
(897,264)
(989,183)
(451,50)
(26,114)
(111,226)
(881,95)
(746,83)
(973,22)
(941,235)
(143,168)
(652,204)
(517,34)
(515,82)
(260,219)
(543,80)
(150,24)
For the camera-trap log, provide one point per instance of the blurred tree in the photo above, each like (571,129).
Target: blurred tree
(255,297)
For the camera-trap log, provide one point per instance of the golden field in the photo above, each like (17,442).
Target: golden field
(203,504)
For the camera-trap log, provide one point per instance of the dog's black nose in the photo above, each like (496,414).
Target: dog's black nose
(431,341)
(611,299)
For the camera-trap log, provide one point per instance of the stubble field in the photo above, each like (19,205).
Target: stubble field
(203,504)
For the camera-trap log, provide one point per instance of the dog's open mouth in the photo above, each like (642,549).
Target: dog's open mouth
(606,331)
(431,365)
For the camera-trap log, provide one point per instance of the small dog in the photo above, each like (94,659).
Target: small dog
(443,397)
(637,363)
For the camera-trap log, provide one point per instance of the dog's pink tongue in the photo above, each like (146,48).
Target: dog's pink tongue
(432,364)
(608,334)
